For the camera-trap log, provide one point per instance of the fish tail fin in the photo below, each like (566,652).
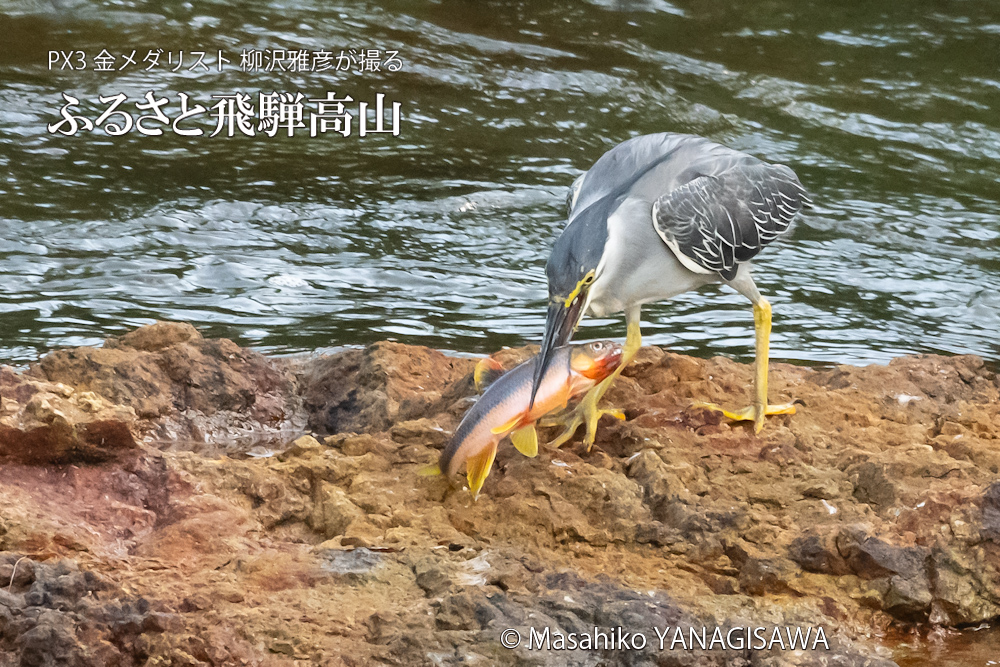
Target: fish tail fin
(487,372)
(477,469)
(525,440)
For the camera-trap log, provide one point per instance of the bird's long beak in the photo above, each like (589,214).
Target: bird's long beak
(560,323)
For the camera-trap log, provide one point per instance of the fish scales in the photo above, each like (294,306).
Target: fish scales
(504,409)
(506,398)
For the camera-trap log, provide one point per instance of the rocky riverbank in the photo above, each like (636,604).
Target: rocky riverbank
(172,500)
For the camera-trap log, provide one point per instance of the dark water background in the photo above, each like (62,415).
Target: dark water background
(887,110)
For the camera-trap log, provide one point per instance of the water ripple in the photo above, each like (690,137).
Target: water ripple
(440,236)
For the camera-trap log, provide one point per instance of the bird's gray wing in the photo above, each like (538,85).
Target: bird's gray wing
(714,222)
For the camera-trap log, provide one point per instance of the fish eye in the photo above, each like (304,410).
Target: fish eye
(597,347)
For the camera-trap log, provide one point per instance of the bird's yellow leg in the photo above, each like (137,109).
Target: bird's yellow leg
(760,407)
(587,411)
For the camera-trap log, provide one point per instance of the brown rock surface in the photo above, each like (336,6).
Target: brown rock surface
(874,508)
(163,382)
(50,422)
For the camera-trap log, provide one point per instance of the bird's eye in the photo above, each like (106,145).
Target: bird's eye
(589,278)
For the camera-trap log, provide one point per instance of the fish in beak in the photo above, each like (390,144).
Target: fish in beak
(596,361)
(503,410)
(560,323)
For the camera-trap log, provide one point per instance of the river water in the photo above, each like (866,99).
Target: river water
(439,236)
(886,110)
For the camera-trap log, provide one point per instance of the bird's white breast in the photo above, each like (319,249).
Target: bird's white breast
(637,267)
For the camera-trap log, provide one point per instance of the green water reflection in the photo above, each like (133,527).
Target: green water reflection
(439,236)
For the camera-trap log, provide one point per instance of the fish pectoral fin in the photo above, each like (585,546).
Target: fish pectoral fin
(504,428)
(487,372)
(430,470)
(525,440)
(477,469)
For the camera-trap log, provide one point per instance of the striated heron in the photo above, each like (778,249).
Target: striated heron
(656,216)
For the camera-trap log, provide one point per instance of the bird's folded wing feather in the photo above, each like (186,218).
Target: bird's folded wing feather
(712,223)
(572,195)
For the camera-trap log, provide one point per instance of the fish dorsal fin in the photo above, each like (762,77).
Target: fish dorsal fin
(477,469)
(503,429)
(487,372)
(525,440)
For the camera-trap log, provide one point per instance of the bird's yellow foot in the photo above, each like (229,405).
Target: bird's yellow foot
(587,413)
(754,413)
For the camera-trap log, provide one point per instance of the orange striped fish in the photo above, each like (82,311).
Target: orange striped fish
(503,408)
